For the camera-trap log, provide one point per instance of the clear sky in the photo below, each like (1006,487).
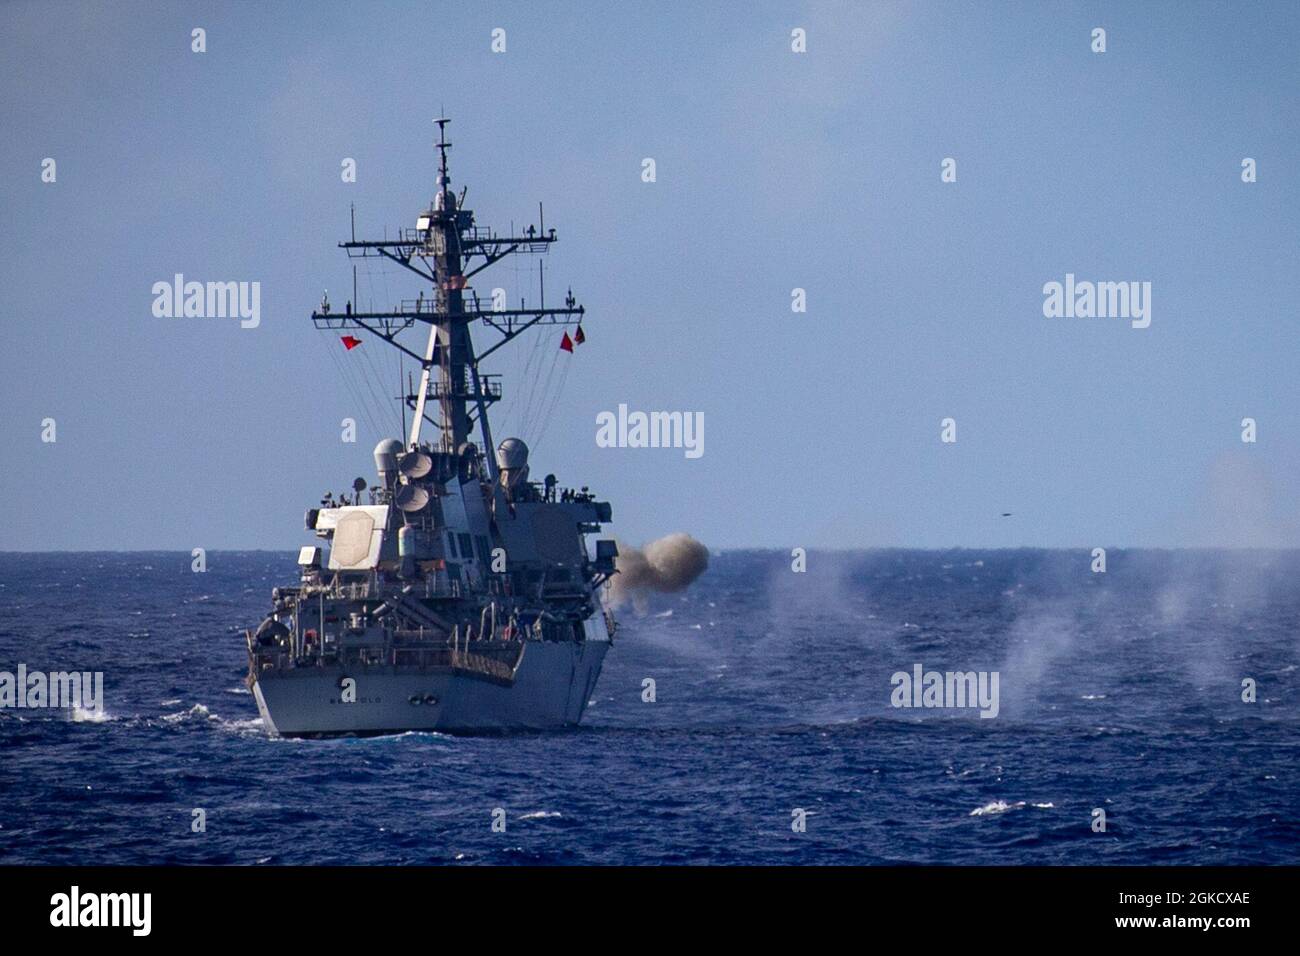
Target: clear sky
(775,170)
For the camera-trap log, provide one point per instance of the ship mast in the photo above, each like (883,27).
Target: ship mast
(448,328)
(444,244)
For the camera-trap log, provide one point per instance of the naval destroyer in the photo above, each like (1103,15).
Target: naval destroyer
(456,594)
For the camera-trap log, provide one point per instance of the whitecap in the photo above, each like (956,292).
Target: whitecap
(249,725)
(197,711)
(83,715)
(1001,806)
(997,806)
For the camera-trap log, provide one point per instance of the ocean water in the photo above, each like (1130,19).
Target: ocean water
(1120,691)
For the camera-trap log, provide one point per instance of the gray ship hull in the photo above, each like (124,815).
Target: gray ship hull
(550,690)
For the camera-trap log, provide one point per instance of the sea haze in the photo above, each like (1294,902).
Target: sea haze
(1120,691)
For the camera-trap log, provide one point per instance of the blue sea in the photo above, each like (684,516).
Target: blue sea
(1119,691)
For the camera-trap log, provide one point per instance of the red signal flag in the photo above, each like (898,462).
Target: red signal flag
(566,343)
(578,337)
(350,342)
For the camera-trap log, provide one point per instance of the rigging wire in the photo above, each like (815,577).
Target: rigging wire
(363,409)
(373,381)
(554,403)
(546,394)
(384,271)
(378,373)
(533,373)
(511,411)
(360,384)
(528,385)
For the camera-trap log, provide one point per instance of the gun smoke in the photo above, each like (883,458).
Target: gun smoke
(664,566)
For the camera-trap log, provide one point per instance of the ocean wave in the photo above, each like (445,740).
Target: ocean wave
(243,725)
(197,712)
(83,715)
(802,718)
(1001,806)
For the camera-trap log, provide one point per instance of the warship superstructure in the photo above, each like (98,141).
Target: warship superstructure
(457,593)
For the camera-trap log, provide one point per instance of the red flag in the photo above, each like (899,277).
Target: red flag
(566,343)
(578,337)
(349,342)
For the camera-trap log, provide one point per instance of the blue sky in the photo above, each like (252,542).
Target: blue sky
(775,170)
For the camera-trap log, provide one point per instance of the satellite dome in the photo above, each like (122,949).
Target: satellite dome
(386,453)
(511,454)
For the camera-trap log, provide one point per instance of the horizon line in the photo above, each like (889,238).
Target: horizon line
(723,550)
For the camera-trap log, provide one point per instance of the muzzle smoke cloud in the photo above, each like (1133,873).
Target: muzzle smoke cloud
(664,566)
